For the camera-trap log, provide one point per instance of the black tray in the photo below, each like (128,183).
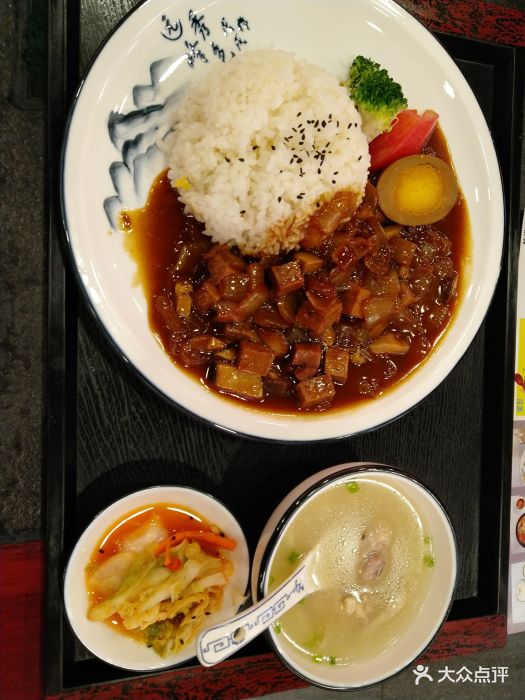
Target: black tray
(107,434)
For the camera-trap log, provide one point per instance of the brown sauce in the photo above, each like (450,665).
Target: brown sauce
(155,234)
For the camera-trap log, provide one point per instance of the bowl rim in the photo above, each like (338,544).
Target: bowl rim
(67,571)
(309,492)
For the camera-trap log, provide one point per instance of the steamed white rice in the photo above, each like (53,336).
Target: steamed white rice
(259,143)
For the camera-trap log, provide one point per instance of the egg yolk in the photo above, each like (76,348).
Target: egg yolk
(419,190)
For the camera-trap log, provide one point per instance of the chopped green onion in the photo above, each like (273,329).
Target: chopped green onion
(428,560)
(277,628)
(352,486)
(332,660)
(293,557)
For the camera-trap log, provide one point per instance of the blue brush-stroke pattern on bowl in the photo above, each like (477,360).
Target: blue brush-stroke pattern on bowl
(136,136)
(139,134)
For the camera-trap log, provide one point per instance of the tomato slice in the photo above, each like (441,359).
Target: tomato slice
(408,136)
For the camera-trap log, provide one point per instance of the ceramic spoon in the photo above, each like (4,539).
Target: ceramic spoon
(217,643)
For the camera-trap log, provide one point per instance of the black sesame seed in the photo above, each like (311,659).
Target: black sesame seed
(359,157)
(299,114)
(279,199)
(333,182)
(273,147)
(254,148)
(336,172)
(349,125)
(227,159)
(242,212)
(241,160)
(299,160)
(323,123)
(318,171)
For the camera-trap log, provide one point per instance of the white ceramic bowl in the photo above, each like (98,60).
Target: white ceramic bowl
(432,612)
(108,644)
(129,93)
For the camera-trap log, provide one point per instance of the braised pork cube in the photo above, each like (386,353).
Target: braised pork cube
(307,355)
(222,262)
(196,350)
(308,261)
(287,278)
(318,321)
(336,364)
(275,340)
(315,391)
(232,380)
(278,386)
(234,287)
(304,372)
(170,318)
(254,357)
(353,300)
(205,296)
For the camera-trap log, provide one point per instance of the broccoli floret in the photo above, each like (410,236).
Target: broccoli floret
(377,97)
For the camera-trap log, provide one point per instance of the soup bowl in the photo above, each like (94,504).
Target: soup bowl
(411,620)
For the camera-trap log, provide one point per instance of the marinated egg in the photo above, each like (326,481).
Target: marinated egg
(417,190)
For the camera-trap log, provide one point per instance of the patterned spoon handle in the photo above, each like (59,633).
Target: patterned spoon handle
(217,643)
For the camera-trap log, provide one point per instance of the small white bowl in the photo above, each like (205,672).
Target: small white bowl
(110,645)
(437,601)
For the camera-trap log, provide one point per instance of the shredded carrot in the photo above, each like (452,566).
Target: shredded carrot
(167,556)
(210,537)
(174,564)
